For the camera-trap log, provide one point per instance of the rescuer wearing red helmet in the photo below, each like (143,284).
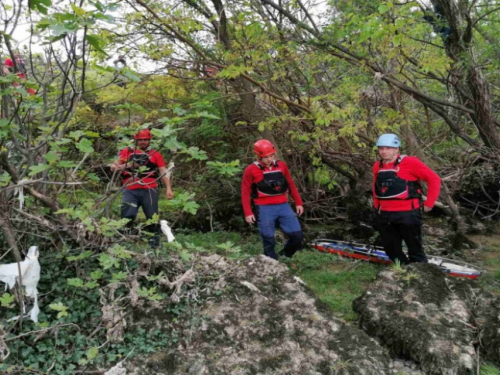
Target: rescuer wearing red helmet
(268,182)
(139,166)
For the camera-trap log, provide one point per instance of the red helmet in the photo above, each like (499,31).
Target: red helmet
(143,134)
(263,148)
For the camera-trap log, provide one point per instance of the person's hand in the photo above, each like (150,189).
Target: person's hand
(250,219)
(300,210)
(427,209)
(117,167)
(169,194)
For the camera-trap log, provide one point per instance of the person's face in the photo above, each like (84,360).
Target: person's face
(388,154)
(268,160)
(143,144)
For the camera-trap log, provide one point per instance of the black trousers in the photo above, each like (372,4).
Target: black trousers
(132,200)
(398,226)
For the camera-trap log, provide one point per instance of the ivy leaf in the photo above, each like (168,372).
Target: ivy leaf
(63,310)
(76,282)
(85,146)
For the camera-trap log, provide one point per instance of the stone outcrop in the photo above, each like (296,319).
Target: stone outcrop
(260,319)
(437,321)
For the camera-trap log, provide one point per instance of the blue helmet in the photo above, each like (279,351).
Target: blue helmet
(389,140)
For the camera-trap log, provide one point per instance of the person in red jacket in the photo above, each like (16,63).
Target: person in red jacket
(140,187)
(268,182)
(397,194)
(10,67)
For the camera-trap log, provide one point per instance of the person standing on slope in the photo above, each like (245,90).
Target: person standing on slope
(140,186)
(268,181)
(397,194)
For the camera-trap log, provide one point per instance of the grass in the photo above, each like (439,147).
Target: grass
(489,258)
(489,369)
(336,281)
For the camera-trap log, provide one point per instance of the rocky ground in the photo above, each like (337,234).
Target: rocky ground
(263,320)
(439,322)
(256,318)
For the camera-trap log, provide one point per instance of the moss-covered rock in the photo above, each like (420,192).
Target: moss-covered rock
(250,327)
(420,313)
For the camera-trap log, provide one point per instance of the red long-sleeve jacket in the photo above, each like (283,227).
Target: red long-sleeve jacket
(410,169)
(253,174)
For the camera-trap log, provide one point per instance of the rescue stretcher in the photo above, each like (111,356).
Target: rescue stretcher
(377,254)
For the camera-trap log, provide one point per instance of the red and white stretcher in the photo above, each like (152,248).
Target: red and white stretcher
(375,254)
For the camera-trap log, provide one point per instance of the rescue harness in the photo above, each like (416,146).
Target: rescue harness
(388,186)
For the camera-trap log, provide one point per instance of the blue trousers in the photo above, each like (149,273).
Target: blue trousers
(268,217)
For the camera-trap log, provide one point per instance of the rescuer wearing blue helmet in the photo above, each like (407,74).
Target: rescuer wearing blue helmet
(397,194)
(389,140)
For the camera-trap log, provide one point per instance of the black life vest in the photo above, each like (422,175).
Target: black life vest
(274,183)
(144,160)
(388,186)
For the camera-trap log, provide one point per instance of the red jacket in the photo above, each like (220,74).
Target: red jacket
(410,169)
(147,182)
(254,174)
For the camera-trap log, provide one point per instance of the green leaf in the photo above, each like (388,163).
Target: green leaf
(51,156)
(66,164)
(92,353)
(41,6)
(96,42)
(383,8)
(76,282)
(76,134)
(119,276)
(97,274)
(85,145)
(108,261)
(81,256)
(79,11)
(38,168)
(130,75)
(191,207)
(6,300)
(91,284)
(63,310)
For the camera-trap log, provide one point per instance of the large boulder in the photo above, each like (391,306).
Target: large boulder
(420,313)
(260,319)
